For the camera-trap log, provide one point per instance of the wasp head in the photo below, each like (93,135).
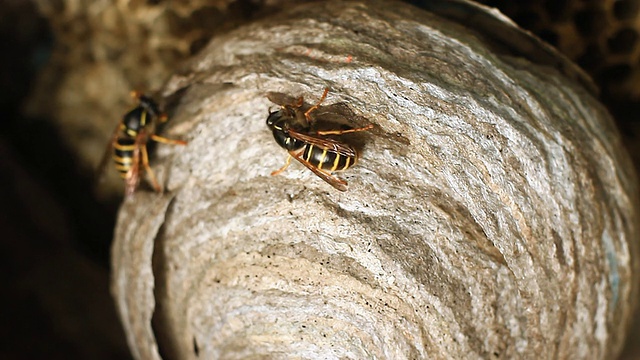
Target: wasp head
(149,105)
(279,122)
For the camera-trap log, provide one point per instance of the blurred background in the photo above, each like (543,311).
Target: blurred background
(54,257)
(56,230)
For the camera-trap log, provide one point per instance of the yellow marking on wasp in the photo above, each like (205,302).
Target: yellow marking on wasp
(143,119)
(125,147)
(335,163)
(309,153)
(122,168)
(322,157)
(122,160)
(346,165)
(125,174)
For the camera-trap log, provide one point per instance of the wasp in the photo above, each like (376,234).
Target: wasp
(293,130)
(128,144)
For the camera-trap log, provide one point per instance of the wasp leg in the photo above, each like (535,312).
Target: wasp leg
(147,168)
(307,114)
(286,165)
(164,140)
(347,131)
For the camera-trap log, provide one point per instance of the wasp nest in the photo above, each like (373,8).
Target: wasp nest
(601,36)
(492,213)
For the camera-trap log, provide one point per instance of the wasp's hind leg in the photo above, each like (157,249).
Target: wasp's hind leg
(165,140)
(286,165)
(347,131)
(147,169)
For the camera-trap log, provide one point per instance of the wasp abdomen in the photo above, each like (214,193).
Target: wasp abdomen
(325,159)
(123,155)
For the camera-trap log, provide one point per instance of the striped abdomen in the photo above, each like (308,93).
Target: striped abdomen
(123,156)
(327,160)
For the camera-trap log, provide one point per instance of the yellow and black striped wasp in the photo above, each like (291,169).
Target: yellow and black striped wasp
(292,130)
(128,144)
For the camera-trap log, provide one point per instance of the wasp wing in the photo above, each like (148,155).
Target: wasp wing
(284,99)
(332,180)
(325,143)
(132,178)
(108,153)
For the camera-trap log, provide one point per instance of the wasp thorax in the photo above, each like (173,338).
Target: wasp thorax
(134,120)
(280,130)
(274,118)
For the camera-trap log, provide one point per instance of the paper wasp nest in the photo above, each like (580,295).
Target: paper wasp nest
(492,213)
(602,36)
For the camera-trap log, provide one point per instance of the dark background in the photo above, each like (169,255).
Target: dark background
(55,236)
(54,252)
